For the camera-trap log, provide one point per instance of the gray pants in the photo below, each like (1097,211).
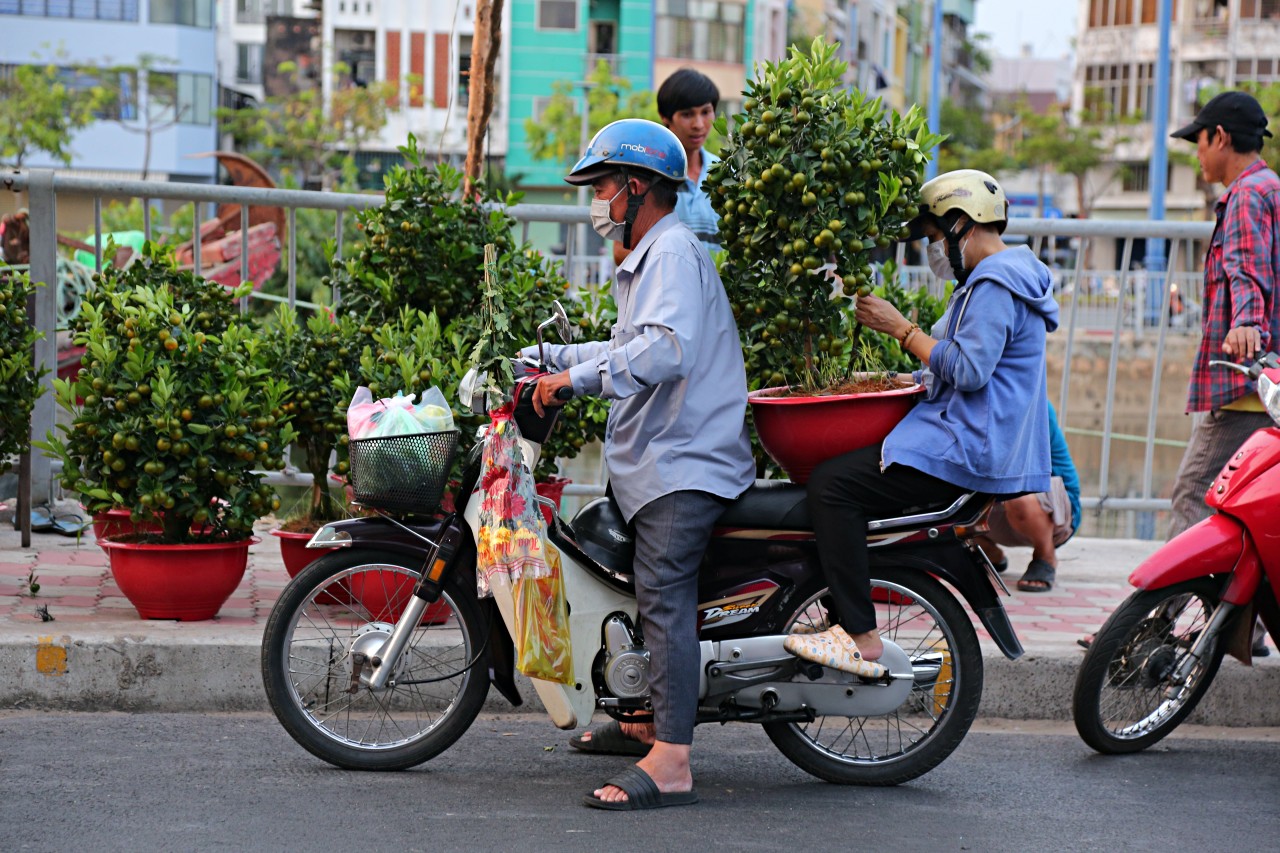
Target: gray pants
(672,533)
(1215,435)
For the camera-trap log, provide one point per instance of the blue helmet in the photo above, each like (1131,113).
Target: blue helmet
(631,144)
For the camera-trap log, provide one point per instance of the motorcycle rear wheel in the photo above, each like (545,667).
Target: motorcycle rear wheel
(348,601)
(1123,699)
(920,615)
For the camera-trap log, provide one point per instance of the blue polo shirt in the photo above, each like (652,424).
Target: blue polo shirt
(693,206)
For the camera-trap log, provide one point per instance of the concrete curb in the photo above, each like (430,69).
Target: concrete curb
(137,672)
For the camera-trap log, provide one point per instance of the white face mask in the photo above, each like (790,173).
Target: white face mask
(936,253)
(602,220)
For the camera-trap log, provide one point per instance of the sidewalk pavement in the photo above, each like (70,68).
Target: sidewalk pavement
(97,654)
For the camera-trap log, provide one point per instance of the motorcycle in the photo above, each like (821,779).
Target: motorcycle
(379,654)
(1196,598)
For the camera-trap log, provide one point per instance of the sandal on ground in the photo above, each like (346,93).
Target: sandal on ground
(1261,650)
(834,649)
(1039,577)
(1085,642)
(609,739)
(68,524)
(1002,566)
(41,519)
(642,793)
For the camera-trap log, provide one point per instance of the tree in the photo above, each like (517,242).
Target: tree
(970,142)
(557,135)
(40,112)
(298,135)
(1051,142)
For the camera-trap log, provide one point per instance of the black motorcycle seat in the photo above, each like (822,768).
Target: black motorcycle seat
(783,505)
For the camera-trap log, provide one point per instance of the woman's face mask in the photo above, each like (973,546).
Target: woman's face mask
(936,253)
(602,220)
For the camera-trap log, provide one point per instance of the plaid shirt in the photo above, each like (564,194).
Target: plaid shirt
(1240,282)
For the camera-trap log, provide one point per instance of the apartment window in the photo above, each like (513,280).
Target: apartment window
(1144,92)
(1260,9)
(699,29)
(1258,70)
(557,14)
(256,11)
(540,104)
(464,70)
(248,62)
(187,13)
(119,89)
(181,97)
(92,10)
(1106,92)
(1135,176)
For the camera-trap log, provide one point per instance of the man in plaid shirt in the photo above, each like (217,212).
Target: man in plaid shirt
(1241,317)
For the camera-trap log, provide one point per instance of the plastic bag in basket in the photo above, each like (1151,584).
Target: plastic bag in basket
(511,542)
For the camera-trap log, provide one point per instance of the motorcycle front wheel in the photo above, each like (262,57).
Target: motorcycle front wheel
(345,603)
(1124,698)
(925,620)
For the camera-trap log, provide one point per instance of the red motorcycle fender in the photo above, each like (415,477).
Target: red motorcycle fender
(1218,545)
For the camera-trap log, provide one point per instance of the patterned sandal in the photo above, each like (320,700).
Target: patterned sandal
(834,649)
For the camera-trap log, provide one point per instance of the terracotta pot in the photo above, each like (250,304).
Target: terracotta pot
(800,432)
(553,489)
(116,522)
(385,594)
(296,557)
(186,582)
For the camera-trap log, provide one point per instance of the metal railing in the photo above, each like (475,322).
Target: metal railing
(1124,303)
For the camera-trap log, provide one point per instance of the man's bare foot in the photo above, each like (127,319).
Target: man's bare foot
(667,764)
(869,644)
(642,732)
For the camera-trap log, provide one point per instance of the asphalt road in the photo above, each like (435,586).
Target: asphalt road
(236,782)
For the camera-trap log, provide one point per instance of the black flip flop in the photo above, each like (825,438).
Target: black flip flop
(1001,566)
(642,793)
(609,739)
(1038,572)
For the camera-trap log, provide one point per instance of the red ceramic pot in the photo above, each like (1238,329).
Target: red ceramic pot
(116,522)
(296,557)
(800,432)
(553,489)
(385,594)
(186,582)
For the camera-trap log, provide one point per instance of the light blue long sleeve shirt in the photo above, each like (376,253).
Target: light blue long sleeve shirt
(673,367)
(983,424)
(693,206)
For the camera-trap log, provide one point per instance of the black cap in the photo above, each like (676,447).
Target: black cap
(1237,112)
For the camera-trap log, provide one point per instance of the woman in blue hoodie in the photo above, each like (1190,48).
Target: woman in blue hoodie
(983,424)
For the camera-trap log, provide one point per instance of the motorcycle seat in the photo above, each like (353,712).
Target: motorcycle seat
(783,505)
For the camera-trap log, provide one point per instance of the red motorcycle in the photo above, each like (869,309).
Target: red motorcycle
(1195,602)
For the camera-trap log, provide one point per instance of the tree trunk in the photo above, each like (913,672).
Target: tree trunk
(484,55)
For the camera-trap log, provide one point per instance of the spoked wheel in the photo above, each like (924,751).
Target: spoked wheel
(1126,698)
(348,602)
(916,612)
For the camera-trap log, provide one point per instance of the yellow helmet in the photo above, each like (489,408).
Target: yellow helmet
(969,191)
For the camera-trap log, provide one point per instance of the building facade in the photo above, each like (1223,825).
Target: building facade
(563,40)
(1214,44)
(163,63)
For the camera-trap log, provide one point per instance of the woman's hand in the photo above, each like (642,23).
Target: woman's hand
(879,315)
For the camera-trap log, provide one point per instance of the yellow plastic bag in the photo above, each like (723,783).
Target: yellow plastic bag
(542,623)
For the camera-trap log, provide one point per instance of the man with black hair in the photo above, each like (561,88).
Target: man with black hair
(687,102)
(1241,318)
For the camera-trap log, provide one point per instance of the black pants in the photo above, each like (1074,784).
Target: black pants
(846,491)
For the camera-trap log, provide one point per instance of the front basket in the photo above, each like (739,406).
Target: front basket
(402,473)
